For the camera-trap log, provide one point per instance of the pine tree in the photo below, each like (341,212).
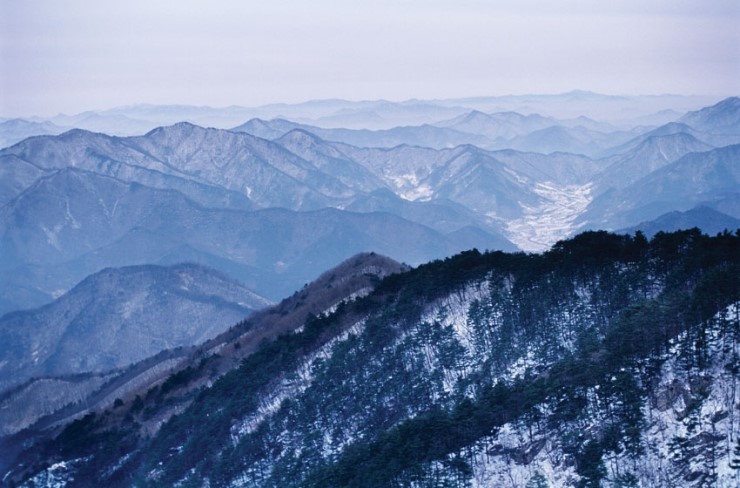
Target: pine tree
(627,480)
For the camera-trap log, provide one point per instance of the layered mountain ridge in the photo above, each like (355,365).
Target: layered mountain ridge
(463,196)
(74,222)
(574,367)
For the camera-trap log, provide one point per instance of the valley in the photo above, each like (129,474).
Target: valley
(463,197)
(551,221)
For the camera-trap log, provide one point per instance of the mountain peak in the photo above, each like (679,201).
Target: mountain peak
(300,136)
(475,115)
(253,122)
(178,128)
(77,133)
(266,129)
(366,263)
(728,102)
(672,128)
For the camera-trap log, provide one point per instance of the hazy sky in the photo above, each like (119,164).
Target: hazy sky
(75,55)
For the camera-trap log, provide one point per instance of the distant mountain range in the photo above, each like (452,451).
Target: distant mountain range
(423,135)
(73,223)
(707,219)
(691,180)
(80,201)
(15,130)
(504,130)
(651,154)
(384,114)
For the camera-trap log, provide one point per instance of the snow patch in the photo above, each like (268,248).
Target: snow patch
(362,292)
(52,236)
(409,188)
(523,364)
(518,177)
(73,223)
(57,293)
(452,311)
(290,387)
(134,305)
(58,475)
(421,192)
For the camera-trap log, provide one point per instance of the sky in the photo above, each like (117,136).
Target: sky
(76,55)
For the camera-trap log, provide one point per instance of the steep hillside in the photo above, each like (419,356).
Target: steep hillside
(559,168)
(328,159)
(609,360)
(264,171)
(15,176)
(466,175)
(441,215)
(34,411)
(45,401)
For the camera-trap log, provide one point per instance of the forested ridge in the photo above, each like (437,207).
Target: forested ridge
(610,360)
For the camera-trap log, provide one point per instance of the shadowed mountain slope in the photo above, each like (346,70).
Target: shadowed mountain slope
(119,316)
